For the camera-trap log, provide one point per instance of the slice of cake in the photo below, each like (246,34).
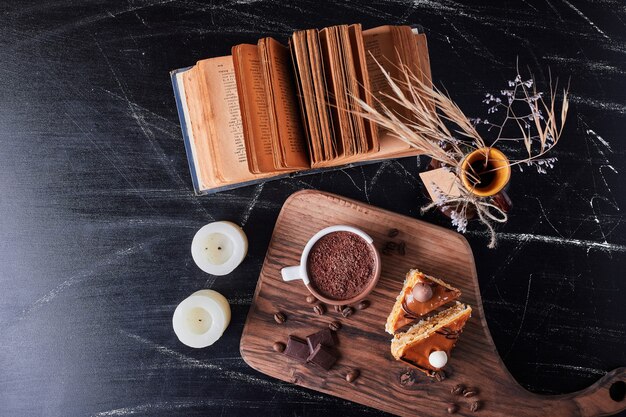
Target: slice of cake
(427,344)
(420,295)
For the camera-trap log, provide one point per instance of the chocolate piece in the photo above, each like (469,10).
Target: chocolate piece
(386,251)
(278,346)
(296,349)
(393,232)
(352,375)
(363,305)
(322,357)
(439,375)
(334,326)
(341,265)
(280,317)
(310,299)
(347,312)
(458,389)
(475,406)
(338,308)
(323,337)
(319,309)
(422,292)
(452,408)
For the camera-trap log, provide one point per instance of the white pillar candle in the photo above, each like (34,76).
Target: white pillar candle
(219,247)
(200,320)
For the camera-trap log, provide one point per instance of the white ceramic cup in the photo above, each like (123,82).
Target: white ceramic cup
(293,273)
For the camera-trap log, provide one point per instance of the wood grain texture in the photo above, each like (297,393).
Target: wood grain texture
(363,343)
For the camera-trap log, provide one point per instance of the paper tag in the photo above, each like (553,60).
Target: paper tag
(442,179)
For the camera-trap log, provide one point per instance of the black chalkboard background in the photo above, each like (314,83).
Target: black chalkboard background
(97,212)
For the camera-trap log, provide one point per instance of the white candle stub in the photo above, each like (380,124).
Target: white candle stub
(219,247)
(200,319)
(438,359)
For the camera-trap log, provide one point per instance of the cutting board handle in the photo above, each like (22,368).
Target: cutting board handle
(604,398)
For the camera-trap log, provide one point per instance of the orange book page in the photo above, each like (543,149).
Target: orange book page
(291,140)
(200,121)
(253,104)
(222,121)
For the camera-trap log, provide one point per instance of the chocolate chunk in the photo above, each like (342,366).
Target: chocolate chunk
(338,308)
(452,408)
(334,326)
(297,349)
(280,317)
(439,375)
(310,299)
(393,232)
(319,309)
(322,357)
(279,346)
(352,375)
(347,312)
(323,337)
(363,305)
(386,252)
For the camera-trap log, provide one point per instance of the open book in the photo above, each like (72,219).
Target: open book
(271,110)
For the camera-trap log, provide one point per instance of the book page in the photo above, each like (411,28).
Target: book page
(304,76)
(364,86)
(224,119)
(200,122)
(289,128)
(253,105)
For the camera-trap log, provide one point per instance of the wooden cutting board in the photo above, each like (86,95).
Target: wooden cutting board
(363,343)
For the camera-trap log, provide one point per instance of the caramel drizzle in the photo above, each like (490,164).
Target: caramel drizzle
(408,314)
(448,333)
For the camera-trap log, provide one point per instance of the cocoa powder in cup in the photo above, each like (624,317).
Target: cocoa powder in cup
(340,265)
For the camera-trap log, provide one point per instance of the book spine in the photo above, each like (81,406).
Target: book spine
(184,128)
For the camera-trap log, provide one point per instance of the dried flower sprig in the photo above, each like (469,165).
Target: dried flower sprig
(436,126)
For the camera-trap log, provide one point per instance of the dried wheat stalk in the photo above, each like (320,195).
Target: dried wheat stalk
(438,128)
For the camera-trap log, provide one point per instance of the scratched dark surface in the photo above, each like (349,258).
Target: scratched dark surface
(97,212)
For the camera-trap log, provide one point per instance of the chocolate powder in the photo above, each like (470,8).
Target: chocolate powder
(340,265)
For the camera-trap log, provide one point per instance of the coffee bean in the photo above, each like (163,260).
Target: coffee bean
(347,312)
(352,375)
(440,375)
(338,309)
(319,309)
(452,408)
(278,346)
(391,245)
(407,379)
(402,248)
(363,305)
(458,389)
(334,326)
(475,406)
(393,232)
(310,299)
(280,317)
(470,392)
